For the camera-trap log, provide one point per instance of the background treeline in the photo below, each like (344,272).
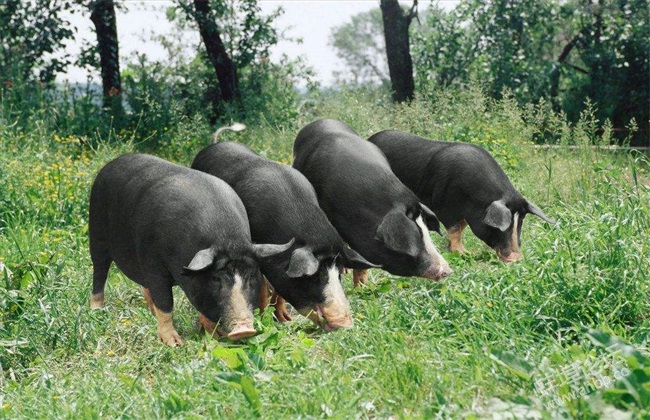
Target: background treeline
(563,53)
(557,55)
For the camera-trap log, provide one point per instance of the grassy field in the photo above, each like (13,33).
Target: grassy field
(563,333)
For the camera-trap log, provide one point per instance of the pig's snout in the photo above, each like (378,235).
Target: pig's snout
(334,312)
(444,272)
(335,318)
(242,330)
(511,257)
(435,272)
(330,317)
(335,325)
(438,267)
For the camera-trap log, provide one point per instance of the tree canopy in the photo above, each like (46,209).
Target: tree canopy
(562,52)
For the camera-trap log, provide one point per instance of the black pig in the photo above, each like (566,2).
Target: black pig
(164,225)
(282,204)
(463,185)
(372,210)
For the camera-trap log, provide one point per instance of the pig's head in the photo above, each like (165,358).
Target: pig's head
(309,279)
(500,226)
(403,231)
(227,286)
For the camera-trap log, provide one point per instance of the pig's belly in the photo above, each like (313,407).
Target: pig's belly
(128,264)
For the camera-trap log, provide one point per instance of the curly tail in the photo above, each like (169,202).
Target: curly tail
(234,127)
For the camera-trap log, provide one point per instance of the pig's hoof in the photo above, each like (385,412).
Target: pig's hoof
(345,270)
(282,314)
(171,338)
(456,247)
(97,301)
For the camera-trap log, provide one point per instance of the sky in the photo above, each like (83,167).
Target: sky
(312,21)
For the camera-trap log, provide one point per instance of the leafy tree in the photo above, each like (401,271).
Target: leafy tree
(396,33)
(563,51)
(224,67)
(606,59)
(360,44)
(103,17)
(183,86)
(443,51)
(32,37)
(235,34)
(504,44)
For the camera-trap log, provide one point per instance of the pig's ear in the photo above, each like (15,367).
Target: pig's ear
(498,216)
(302,263)
(352,259)
(202,260)
(533,209)
(430,218)
(396,232)
(268,250)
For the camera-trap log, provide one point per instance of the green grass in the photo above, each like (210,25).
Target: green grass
(491,337)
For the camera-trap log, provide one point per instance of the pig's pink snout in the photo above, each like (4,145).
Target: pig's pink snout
(242,330)
(330,317)
(437,273)
(346,322)
(512,257)
(444,272)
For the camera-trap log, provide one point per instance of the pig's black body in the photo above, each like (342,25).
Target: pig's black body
(358,191)
(459,182)
(281,204)
(456,180)
(152,217)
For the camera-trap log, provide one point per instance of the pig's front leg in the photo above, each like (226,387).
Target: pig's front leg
(455,240)
(264,295)
(280,305)
(163,304)
(359,277)
(208,325)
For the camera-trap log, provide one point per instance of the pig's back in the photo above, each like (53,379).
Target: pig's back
(338,162)
(145,208)
(410,159)
(352,179)
(280,202)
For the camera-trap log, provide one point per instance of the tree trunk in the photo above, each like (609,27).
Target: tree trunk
(103,17)
(554,90)
(396,33)
(223,65)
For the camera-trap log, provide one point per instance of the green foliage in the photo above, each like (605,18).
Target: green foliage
(563,52)
(246,33)
(612,45)
(183,86)
(504,44)
(31,35)
(163,98)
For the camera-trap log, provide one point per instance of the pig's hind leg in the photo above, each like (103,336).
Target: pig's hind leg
(147,298)
(455,240)
(160,291)
(101,264)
